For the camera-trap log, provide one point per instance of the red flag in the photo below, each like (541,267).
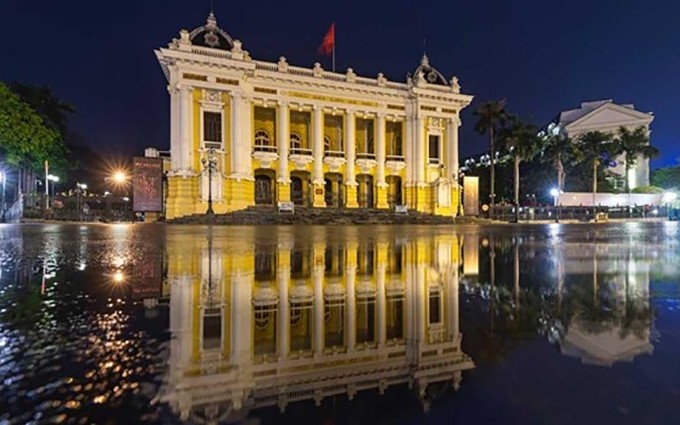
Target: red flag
(328,41)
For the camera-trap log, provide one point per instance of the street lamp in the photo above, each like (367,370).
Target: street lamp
(50,178)
(79,187)
(210,164)
(555,193)
(461,175)
(3,177)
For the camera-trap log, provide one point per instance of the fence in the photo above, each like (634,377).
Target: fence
(552,213)
(89,208)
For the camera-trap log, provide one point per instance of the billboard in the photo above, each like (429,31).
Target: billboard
(471,196)
(147,184)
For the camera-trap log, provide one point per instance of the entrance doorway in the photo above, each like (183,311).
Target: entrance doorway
(365,191)
(394,194)
(333,193)
(264,188)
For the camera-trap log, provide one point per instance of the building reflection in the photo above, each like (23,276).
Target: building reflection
(268,317)
(591,299)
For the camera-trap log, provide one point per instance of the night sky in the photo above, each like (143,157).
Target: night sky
(542,56)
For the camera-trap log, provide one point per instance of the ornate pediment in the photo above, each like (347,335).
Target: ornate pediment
(609,116)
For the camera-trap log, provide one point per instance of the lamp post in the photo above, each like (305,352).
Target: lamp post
(555,194)
(210,164)
(3,177)
(79,187)
(50,178)
(461,175)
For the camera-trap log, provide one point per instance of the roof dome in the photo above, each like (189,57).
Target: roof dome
(210,35)
(430,74)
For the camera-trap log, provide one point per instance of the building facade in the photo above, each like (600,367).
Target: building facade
(607,117)
(280,133)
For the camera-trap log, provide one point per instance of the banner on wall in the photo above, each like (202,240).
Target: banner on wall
(471,196)
(147,184)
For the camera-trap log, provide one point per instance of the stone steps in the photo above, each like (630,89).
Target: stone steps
(263,215)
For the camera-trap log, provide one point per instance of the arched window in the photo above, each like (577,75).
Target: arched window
(262,140)
(295,143)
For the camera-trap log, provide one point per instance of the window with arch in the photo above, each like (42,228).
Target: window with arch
(296,147)
(263,141)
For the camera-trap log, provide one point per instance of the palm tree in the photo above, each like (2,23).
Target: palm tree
(491,115)
(591,146)
(522,142)
(633,145)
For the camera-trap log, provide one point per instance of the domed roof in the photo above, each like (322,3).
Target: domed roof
(210,35)
(430,74)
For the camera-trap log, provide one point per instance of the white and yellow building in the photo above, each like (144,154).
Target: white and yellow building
(264,317)
(282,133)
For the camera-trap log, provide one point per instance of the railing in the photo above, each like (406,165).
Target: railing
(334,154)
(265,148)
(580,213)
(300,151)
(365,155)
(399,158)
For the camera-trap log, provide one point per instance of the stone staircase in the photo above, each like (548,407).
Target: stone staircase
(261,215)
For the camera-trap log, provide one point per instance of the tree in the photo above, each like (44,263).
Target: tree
(491,115)
(25,139)
(633,145)
(53,110)
(522,142)
(591,147)
(667,177)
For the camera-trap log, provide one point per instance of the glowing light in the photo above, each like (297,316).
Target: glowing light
(82,186)
(119,177)
(118,277)
(554,192)
(669,197)
(52,177)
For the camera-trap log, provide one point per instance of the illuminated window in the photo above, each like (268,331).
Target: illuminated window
(433,149)
(262,138)
(212,127)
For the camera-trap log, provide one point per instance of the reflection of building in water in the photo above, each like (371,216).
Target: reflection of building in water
(615,323)
(304,319)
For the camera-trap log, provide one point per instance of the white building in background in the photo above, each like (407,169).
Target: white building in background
(607,117)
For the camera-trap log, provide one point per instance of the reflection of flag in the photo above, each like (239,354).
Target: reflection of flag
(328,43)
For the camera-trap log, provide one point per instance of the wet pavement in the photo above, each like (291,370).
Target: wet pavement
(555,324)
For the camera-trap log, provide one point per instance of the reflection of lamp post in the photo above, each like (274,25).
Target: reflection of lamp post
(210,163)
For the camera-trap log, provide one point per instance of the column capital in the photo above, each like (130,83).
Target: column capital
(283,103)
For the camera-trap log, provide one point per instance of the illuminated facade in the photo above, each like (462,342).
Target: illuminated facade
(299,318)
(607,117)
(282,133)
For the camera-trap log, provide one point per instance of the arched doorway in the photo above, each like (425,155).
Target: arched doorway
(394,194)
(365,191)
(333,192)
(264,187)
(299,188)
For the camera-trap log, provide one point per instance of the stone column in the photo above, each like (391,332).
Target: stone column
(409,156)
(317,177)
(350,156)
(247,137)
(283,137)
(236,135)
(381,185)
(185,139)
(175,150)
(421,163)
